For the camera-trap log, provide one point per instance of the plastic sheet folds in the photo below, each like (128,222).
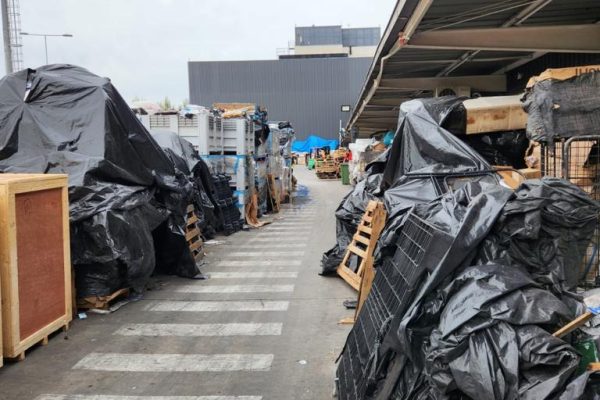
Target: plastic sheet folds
(122,185)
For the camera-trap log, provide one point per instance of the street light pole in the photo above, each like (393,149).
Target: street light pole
(45,35)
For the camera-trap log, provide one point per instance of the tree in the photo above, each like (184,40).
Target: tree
(166,104)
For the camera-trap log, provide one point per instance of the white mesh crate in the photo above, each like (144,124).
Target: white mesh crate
(238,136)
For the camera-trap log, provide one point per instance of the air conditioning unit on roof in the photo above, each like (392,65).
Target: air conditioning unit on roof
(461,91)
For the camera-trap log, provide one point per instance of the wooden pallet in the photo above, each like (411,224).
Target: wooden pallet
(41,341)
(363,244)
(192,234)
(328,175)
(101,302)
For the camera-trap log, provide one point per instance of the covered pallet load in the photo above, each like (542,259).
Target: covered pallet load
(123,188)
(563,107)
(473,279)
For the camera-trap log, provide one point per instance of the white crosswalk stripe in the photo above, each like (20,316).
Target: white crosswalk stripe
(191,330)
(235,288)
(174,362)
(258,263)
(286,240)
(271,246)
(253,274)
(291,253)
(115,397)
(218,306)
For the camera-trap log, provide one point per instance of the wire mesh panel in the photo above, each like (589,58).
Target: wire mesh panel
(577,160)
(395,283)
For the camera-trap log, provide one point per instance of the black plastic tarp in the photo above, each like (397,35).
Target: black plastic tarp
(480,321)
(122,185)
(424,161)
(563,108)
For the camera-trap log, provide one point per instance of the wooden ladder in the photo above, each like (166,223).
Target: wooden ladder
(192,233)
(363,244)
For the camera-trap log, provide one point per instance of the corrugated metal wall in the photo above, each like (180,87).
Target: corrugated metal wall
(306,92)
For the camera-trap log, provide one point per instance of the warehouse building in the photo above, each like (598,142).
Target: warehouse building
(313,85)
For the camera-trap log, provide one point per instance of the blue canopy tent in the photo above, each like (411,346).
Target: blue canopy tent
(304,146)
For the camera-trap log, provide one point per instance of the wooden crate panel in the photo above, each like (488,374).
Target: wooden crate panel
(41,259)
(35,263)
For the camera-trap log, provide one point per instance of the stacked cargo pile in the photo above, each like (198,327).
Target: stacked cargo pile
(474,280)
(227,203)
(279,149)
(128,198)
(261,155)
(224,138)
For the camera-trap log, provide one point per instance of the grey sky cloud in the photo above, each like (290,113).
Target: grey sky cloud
(144,45)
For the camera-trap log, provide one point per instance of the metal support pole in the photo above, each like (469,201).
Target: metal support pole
(6,37)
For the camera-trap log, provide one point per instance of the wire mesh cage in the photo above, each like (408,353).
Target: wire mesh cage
(419,248)
(577,159)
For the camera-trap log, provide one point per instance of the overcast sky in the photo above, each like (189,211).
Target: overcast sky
(144,45)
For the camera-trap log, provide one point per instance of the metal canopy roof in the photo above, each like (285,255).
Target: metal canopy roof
(429,44)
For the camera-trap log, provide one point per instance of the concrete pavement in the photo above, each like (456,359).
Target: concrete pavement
(264,326)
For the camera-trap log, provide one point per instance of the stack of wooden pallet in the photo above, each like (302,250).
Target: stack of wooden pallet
(328,169)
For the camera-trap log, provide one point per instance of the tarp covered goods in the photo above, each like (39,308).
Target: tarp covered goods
(472,278)
(122,185)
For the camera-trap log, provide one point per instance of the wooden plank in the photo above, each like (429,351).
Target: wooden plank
(349,276)
(192,234)
(101,302)
(192,220)
(196,245)
(365,229)
(359,238)
(571,326)
(359,252)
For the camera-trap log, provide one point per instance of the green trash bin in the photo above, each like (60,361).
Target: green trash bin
(345,172)
(311,163)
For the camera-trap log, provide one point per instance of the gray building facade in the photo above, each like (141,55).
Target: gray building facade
(308,92)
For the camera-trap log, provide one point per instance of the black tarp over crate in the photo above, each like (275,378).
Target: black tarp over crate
(122,185)
(564,116)
(577,159)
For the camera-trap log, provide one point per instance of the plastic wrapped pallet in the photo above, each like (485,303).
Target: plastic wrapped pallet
(122,185)
(563,107)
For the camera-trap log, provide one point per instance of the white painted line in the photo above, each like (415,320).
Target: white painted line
(287,241)
(235,288)
(114,397)
(193,330)
(250,275)
(218,306)
(301,225)
(276,234)
(258,263)
(287,229)
(259,253)
(291,245)
(175,362)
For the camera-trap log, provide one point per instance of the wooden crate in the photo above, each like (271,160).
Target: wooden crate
(35,260)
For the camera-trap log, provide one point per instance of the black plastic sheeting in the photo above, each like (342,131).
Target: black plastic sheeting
(424,161)
(187,160)
(501,148)
(467,329)
(472,277)
(562,109)
(122,185)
